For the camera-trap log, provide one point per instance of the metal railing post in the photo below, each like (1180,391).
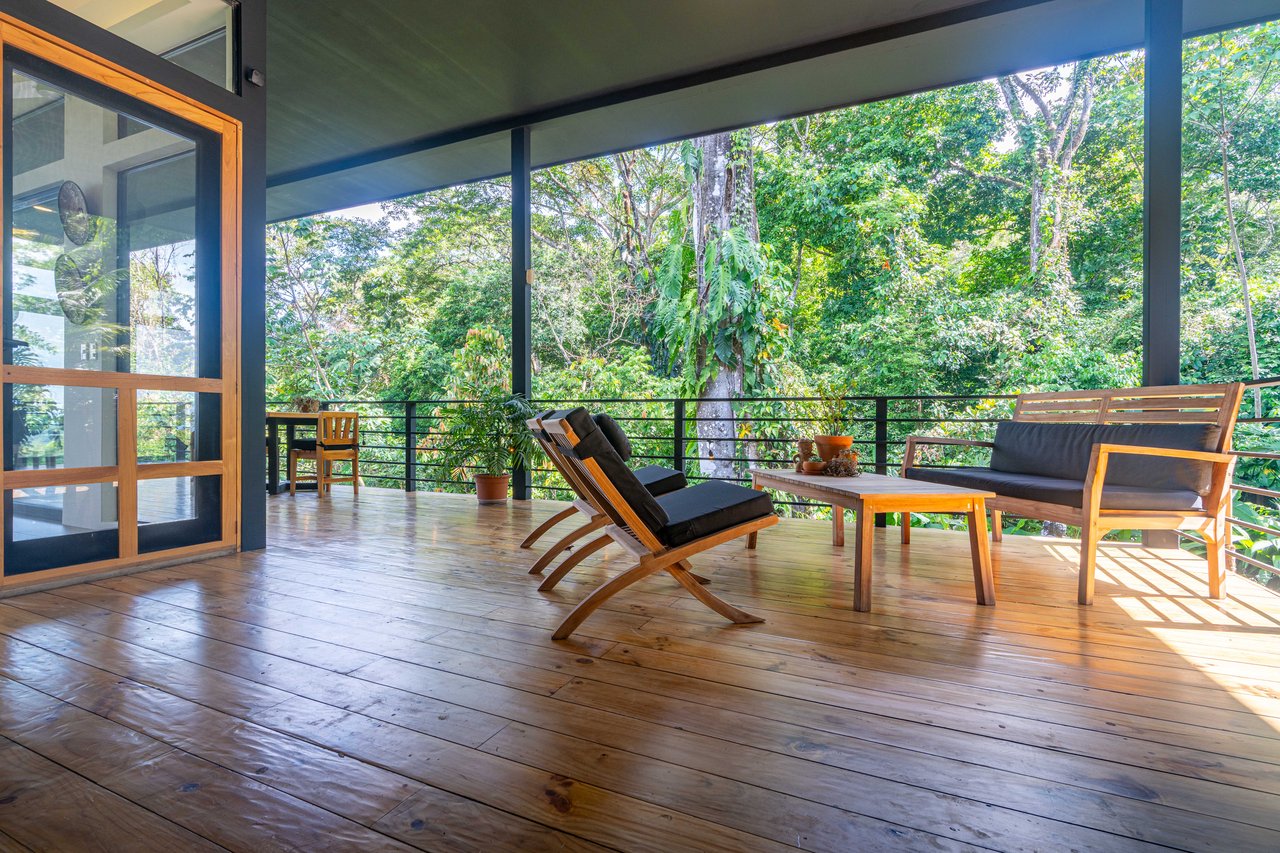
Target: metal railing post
(410,447)
(882,445)
(677,433)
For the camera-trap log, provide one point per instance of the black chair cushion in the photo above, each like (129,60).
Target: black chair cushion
(309,444)
(1055,490)
(592,444)
(709,507)
(614,433)
(659,480)
(1062,451)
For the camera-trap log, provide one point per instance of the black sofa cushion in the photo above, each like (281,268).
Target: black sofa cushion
(614,433)
(706,508)
(1062,451)
(1056,490)
(309,445)
(592,444)
(659,480)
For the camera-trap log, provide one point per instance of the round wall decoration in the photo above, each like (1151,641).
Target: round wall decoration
(75,297)
(73,210)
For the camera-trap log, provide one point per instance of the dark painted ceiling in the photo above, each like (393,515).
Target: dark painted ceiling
(348,78)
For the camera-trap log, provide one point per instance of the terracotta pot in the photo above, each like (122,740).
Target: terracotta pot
(491,489)
(813,467)
(829,446)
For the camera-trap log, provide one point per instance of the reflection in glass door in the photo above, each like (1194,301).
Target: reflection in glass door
(115,418)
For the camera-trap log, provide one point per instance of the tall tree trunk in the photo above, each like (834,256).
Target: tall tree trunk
(723,198)
(1233,231)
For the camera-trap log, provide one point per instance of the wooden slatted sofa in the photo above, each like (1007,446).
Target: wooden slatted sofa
(1112,459)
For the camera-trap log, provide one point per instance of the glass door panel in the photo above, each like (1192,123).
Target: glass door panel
(112,322)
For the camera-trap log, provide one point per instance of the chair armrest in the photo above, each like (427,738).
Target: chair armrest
(1169,452)
(1099,458)
(909,454)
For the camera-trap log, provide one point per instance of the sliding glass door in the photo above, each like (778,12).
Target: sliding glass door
(119,430)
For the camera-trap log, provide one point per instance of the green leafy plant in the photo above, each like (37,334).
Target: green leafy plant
(833,411)
(488,435)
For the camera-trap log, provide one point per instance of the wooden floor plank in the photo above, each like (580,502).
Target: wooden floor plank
(383,676)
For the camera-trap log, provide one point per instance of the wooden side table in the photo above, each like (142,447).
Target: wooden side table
(868,494)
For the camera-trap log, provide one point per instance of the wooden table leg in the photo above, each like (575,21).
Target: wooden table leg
(980,551)
(864,538)
(751,537)
(837,525)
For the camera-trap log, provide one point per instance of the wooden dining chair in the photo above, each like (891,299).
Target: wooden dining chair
(337,440)
(662,533)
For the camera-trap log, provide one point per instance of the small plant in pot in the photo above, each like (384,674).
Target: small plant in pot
(488,437)
(813,465)
(834,414)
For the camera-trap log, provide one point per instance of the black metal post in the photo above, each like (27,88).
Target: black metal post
(677,437)
(410,447)
(521,285)
(1162,209)
(250,25)
(882,445)
(1162,195)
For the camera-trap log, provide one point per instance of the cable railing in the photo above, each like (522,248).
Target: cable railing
(401,440)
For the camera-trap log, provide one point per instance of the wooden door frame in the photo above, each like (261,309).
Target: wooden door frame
(127,472)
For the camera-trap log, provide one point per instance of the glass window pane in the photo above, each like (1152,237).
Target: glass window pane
(55,426)
(179,511)
(192,34)
(106,273)
(178,426)
(60,526)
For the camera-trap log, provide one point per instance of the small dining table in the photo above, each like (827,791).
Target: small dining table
(291,421)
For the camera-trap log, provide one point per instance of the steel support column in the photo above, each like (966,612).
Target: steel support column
(521,284)
(1162,195)
(1162,209)
(250,21)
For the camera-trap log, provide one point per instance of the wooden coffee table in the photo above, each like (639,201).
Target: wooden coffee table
(868,494)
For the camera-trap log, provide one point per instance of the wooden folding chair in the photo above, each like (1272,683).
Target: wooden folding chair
(662,533)
(656,479)
(337,440)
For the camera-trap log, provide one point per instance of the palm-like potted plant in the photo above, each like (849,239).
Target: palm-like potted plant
(488,436)
(834,414)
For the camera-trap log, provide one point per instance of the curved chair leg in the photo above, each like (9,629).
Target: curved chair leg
(573,560)
(600,595)
(689,581)
(547,525)
(684,564)
(558,548)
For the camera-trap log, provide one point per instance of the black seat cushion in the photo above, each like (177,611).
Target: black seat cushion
(1056,490)
(1062,451)
(614,433)
(659,480)
(709,507)
(592,444)
(309,444)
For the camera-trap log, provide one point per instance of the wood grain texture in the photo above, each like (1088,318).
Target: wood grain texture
(383,677)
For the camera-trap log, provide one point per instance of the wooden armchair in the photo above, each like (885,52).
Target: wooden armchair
(337,440)
(662,533)
(655,478)
(1056,460)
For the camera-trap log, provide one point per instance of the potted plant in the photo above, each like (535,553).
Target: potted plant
(489,437)
(813,465)
(834,412)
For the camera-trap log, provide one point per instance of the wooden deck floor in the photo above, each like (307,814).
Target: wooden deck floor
(382,678)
